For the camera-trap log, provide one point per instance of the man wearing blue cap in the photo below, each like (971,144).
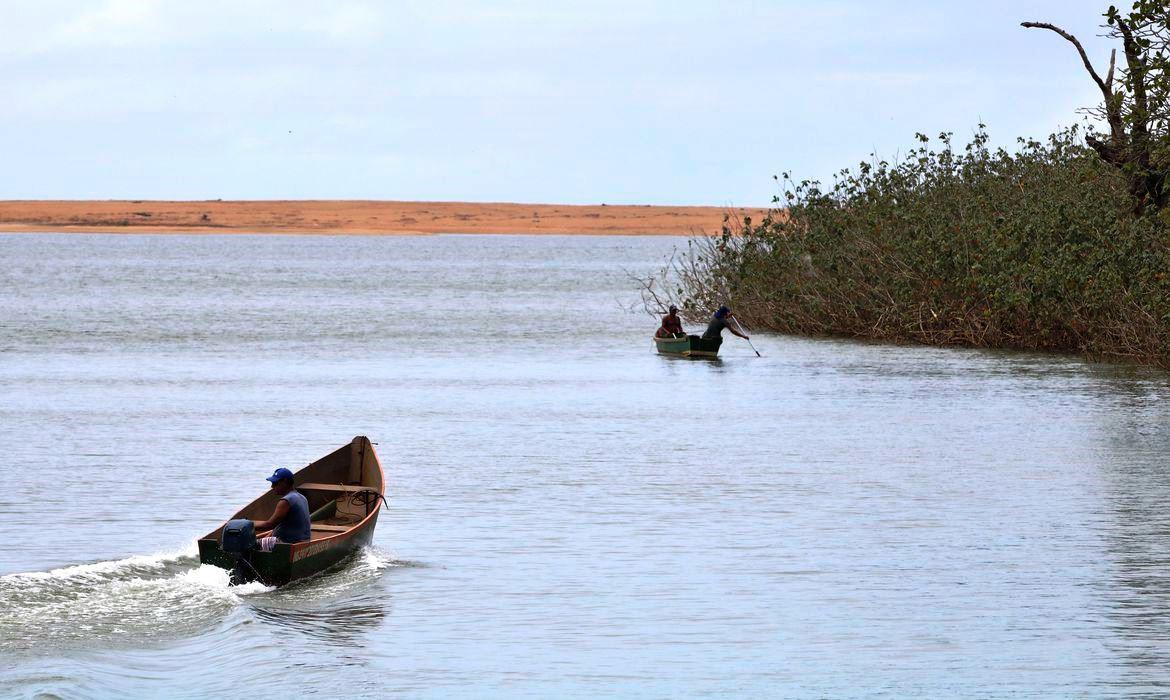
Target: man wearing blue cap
(722,319)
(290,521)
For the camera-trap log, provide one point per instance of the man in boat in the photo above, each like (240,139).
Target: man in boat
(722,319)
(290,521)
(671,325)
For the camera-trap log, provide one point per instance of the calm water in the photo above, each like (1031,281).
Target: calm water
(571,515)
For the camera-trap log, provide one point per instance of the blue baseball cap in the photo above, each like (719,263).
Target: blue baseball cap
(279,474)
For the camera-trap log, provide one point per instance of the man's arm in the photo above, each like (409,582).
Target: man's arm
(734,326)
(277,518)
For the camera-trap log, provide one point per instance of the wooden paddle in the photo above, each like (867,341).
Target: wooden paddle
(741,330)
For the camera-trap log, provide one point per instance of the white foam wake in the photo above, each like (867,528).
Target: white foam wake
(130,599)
(108,569)
(148,596)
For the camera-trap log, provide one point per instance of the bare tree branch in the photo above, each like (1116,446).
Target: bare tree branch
(1106,89)
(1115,150)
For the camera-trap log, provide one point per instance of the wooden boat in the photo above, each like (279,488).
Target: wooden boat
(688,346)
(672,345)
(345,490)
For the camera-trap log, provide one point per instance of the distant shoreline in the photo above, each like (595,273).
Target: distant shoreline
(358,217)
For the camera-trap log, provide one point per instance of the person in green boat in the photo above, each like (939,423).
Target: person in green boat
(722,319)
(671,325)
(290,521)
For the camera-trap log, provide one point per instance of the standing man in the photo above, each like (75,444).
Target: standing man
(291,517)
(671,325)
(722,319)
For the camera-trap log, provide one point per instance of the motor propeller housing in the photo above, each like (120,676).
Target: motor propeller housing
(239,537)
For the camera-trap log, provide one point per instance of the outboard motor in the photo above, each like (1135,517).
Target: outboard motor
(239,540)
(239,537)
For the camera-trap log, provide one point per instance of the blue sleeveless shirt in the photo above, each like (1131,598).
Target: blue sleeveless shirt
(295,527)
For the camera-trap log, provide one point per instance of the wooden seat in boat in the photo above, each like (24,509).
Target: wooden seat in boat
(342,488)
(330,528)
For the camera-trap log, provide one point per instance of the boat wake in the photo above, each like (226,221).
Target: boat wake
(142,598)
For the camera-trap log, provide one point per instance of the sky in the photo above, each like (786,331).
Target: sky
(615,101)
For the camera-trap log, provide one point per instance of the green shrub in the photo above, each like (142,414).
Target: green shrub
(1038,249)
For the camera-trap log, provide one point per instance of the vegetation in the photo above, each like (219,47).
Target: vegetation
(1060,245)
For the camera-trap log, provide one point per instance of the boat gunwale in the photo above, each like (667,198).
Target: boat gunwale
(359,525)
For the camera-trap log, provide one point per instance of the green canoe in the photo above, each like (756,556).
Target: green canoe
(688,346)
(345,490)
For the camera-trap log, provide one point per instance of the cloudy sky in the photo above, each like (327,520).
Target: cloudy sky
(622,101)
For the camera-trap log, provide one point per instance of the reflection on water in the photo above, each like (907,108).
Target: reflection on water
(337,606)
(1136,527)
(710,361)
(833,519)
(343,624)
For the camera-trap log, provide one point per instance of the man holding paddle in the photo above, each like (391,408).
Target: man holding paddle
(723,318)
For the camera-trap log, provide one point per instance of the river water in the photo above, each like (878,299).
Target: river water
(570,514)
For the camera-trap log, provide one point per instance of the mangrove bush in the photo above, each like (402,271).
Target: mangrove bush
(1034,249)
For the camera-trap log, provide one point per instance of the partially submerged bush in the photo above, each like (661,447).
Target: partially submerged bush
(1037,249)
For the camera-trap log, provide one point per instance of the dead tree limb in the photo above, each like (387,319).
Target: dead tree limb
(1129,147)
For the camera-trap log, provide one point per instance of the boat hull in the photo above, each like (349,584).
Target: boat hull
(672,346)
(689,346)
(288,562)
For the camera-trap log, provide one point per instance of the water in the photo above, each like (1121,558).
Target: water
(571,515)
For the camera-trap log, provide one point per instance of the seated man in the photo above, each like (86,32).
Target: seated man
(291,517)
(671,325)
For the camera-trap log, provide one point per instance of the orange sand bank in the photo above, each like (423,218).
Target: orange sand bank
(357,217)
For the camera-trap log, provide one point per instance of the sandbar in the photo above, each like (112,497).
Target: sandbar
(359,217)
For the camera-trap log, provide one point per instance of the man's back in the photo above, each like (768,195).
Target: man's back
(715,328)
(296,526)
